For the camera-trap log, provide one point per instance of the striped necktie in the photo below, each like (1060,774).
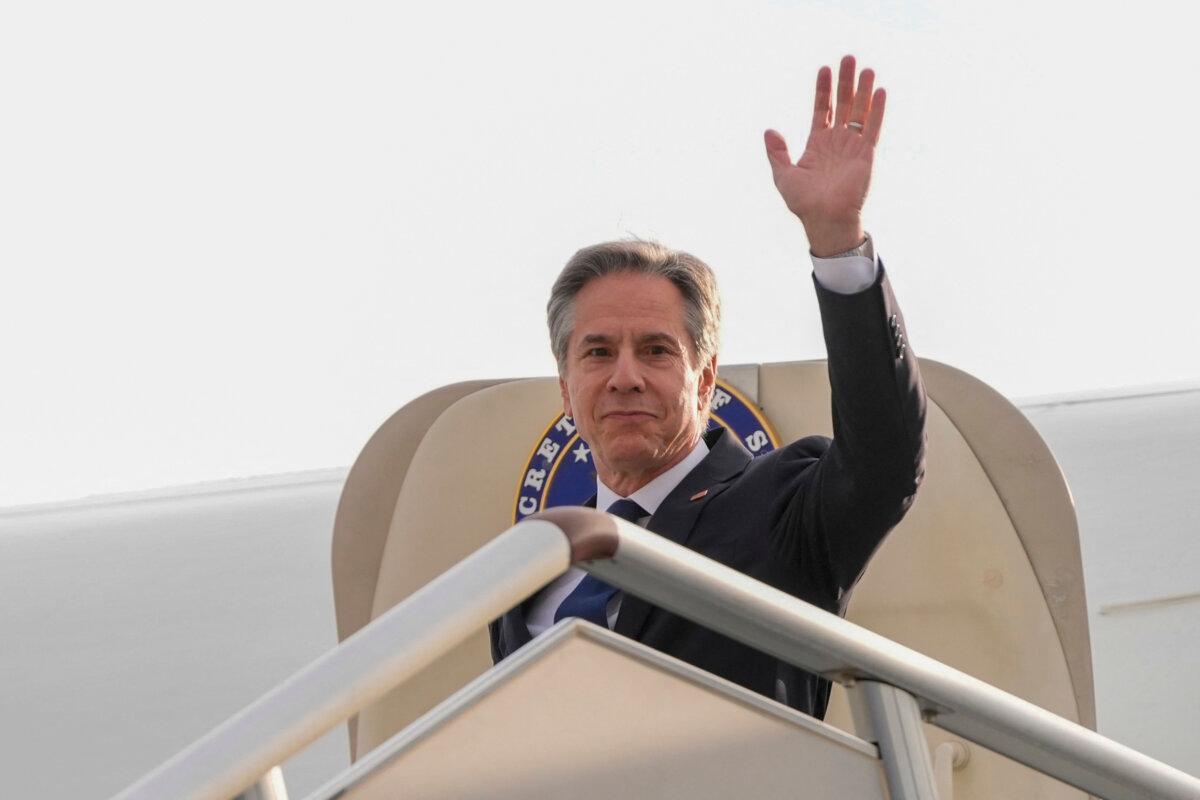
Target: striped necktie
(589,599)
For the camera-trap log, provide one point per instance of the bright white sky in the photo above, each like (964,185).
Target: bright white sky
(237,235)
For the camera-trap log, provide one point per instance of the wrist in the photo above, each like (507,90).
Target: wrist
(830,239)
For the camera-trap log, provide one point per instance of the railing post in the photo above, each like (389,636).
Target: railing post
(269,787)
(948,757)
(891,718)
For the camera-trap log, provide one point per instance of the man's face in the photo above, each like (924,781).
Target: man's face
(631,381)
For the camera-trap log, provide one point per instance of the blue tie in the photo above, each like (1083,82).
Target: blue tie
(589,599)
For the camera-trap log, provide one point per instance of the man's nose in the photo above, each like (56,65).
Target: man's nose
(626,374)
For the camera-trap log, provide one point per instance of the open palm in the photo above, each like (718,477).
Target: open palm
(827,187)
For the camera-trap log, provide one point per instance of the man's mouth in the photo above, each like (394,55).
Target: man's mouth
(628,415)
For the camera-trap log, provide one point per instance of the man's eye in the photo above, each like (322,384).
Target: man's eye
(595,352)
(658,350)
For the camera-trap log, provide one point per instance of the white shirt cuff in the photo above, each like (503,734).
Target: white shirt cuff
(848,274)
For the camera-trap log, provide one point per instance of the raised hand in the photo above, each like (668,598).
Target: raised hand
(828,186)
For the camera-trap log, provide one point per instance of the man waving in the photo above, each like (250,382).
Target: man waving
(634,328)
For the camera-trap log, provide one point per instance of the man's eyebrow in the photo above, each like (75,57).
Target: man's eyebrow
(657,336)
(646,338)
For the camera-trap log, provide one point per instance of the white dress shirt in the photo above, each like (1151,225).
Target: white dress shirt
(845,275)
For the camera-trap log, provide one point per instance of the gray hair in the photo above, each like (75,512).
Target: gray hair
(693,278)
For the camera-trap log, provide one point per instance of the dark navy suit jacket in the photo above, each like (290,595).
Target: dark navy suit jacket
(804,518)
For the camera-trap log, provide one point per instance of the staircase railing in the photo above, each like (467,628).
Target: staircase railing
(892,689)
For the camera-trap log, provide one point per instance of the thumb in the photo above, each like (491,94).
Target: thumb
(777,149)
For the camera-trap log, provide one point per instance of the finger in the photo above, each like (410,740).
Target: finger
(862,98)
(875,118)
(822,105)
(845,91)
(777,150)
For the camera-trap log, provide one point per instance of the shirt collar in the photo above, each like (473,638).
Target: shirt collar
(651,495)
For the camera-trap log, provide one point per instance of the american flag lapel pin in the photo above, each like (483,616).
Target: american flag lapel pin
(699,494)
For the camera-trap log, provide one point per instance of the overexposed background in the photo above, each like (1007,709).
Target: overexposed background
(238,235)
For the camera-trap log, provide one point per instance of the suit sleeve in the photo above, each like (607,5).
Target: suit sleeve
(841,497)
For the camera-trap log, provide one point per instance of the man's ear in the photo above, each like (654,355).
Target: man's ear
(566,396)
(708,382)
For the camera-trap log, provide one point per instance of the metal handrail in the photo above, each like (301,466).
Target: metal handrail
(362,669)
(495,578)
(799,633)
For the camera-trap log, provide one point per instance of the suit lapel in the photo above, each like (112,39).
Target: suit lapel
(514,632)
(677,515)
